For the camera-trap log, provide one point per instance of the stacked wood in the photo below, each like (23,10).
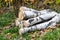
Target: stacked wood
(31,19)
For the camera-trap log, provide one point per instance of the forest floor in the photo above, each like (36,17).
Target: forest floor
(8,32)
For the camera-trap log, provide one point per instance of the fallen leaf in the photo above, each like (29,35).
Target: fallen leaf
(8,35)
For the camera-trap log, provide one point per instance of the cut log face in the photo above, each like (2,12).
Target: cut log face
(41,26)
(17,22)
(38,19)
(21,15)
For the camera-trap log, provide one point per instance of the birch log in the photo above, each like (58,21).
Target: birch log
(26,14)
(38,19)
(40,26)
(30,14)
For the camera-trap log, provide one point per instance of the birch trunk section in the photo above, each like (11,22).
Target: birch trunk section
(38,19)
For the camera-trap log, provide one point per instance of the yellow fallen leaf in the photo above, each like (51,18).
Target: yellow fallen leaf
(47,30)
(32,39)
(11,0)
(6,0)
(8,35)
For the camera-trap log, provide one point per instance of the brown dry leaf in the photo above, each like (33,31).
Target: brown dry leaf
(32,36)
(11,0)
(32,39)
(35,33)
(6,0)
(47,30)
(52,27)
(8,35)
(32,1)
(39,33)
(26,1)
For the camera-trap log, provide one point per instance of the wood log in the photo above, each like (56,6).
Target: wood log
(41,26)
(38,19)
(30,14)
(26,13)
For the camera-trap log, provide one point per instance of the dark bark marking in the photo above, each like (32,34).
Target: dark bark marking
(31,20)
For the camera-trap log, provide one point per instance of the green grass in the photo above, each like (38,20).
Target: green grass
(52,35)
(7,18)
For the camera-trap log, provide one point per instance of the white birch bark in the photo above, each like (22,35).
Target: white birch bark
(41,26)
(27,14)
(41,18)
(30,14)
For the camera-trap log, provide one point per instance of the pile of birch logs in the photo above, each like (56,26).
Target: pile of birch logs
(31,19)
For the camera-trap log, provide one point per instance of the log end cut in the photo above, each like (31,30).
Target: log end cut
(21,15)
(21,8)
(25,24)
